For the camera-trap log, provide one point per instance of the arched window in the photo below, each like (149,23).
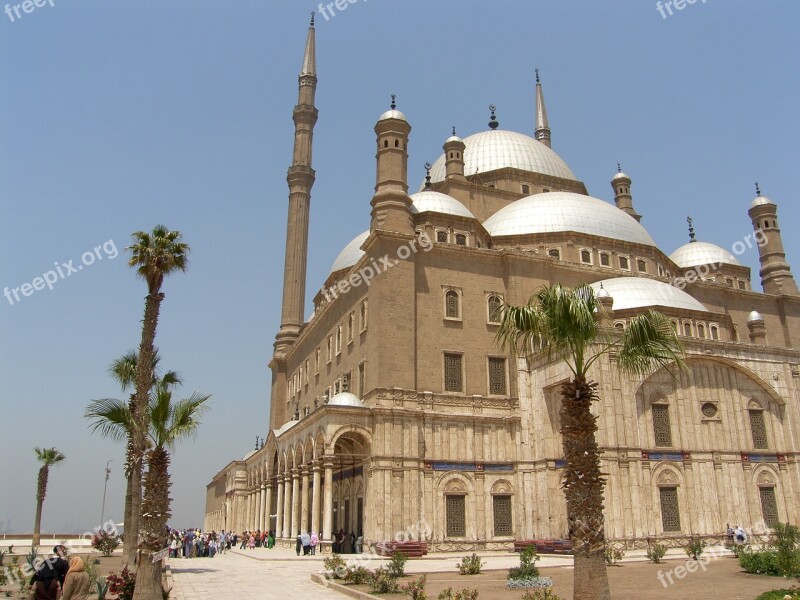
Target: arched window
(526,189)
(701,331)
(624,263)
(441,237)
(495,305)
(350,321)
(605,259)
(758,428)
(714,332)
(555,253)
(461,239)
(619,326)
(662,432)
(670,510)
(687,329)
(586,257)
(641,265)
(338,339)
(364,314)
(452,305)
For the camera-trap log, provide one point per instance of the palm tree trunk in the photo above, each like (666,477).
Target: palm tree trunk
(144,382)
(583,488)
(134,487)
(155,515)
(41,492)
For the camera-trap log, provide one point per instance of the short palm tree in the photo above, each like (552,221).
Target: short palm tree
(168,422)
(566,324)
(154,256)
(123,369)
(48,457)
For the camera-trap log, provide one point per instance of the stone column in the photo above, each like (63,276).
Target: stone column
(327,519)
(315,500)
(304,503)
(268,508)
(279,510)
(263,511)
(249,508)
(295,502)
(287,504)
(257,510)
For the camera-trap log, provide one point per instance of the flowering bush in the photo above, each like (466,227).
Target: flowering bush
(464,594)
(105,542)
(470,565)
(416,589)
(382,582)
(336,566)
(541,594)
(397,565)
(122,584)
(356,575)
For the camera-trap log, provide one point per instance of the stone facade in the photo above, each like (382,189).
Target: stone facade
(393,409)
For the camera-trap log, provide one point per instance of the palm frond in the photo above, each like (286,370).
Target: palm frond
(648,343)
(48,456)
(185,417)
(111,418)
(157,254)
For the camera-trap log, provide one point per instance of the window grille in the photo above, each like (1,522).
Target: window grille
(769,508)
(495,309)
(497,375)
(451,305)
(453,379)
(758,429)
(456,516)
(670,514)
(502,516)
(661,429)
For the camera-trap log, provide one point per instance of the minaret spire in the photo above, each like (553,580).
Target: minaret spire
(691,230)
(542,132)
(300,178)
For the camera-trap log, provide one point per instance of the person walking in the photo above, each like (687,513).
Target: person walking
(271,539)
(314,542)
(77,584)
(298,545)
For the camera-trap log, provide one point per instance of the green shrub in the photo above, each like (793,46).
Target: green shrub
(356,575)
(785,540)
(655,552)
(105,542)
(91,571)
(614,555)
(733,547)
(102,589)
(416,589)
(527,565)
(335,565)
(695,547)
(397,564)
(541,594)
(470,565)
(760,563)
(382,582)
(780,595)
(464,594)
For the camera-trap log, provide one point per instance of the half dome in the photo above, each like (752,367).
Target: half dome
(346,399)
(566,211)
(430,201)
(695,254)
(351,253)
(490,150)
(640,292)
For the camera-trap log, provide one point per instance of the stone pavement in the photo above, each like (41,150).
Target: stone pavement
(280,573)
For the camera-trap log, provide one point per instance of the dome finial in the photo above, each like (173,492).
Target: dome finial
(394,101)
(493,123)
(428,167)
(454,129)
(691,229)
(619,168)
(312,19)
(537,75)
(758,190)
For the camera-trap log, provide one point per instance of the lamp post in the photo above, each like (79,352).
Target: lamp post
(105,486)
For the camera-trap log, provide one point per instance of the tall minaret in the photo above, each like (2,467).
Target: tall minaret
(300,178)
(542,132)
(776,276)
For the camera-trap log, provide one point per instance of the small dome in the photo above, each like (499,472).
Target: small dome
(603,293)
(621,175)
(695,254)
(761,201)
(453,138)
(755,317)
(491,150)
(285,427)
(346,399)
(430,201)
(351,253)
(640,292)
(393,114)
(566,211)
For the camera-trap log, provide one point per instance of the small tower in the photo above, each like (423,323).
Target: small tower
(391,204)
(621,183)
(756,328)
(454,148)
(542,132)
(776,276)
(606,302)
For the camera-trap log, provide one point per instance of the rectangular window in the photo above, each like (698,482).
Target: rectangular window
(769,508)
(605,260)
(502,516)
(455,508)
(453,377)
(661,428)
(316,360)
(337,386)
(364,315)
(758,429)
(361,373)
(670,514)
(330,348)
(586,257)
(624,263)
(641,265)
(497,376)
(346,382)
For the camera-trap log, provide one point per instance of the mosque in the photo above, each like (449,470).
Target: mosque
(393,405)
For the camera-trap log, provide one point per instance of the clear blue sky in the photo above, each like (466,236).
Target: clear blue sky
(118,115)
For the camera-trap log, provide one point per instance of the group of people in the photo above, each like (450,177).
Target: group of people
(193,543)
(737,536)
(257,539)
(348,543)
(58,578)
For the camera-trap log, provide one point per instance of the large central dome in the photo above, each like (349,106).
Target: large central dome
(566,211)
(490,150)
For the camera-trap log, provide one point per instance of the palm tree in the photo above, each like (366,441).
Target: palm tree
(123,370)
(48,457)
(154,256)
(169,422)
(566,324)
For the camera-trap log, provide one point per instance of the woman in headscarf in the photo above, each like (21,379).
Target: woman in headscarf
(76,585)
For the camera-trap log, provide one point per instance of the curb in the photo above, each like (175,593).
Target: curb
(341,589)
